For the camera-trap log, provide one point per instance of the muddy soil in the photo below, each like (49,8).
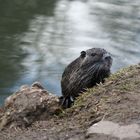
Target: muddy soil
(117,101)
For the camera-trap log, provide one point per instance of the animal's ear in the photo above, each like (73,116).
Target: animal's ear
(83,54)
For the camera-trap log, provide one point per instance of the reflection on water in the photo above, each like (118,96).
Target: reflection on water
(39,38)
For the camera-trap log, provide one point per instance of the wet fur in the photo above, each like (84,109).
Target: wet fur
(86,71)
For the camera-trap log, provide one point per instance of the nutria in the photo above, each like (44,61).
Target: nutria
(90,68)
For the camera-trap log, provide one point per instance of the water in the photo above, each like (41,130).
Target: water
(38,38)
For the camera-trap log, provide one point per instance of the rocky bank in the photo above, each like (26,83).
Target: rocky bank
(109,111)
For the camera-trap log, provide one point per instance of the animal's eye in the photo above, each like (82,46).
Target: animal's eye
(93,54)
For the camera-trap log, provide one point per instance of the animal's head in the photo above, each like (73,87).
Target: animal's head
(97,61)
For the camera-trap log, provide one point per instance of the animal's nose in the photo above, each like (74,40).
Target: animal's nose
(107,57)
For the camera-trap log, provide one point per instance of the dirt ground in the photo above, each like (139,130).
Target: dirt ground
(117,100)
